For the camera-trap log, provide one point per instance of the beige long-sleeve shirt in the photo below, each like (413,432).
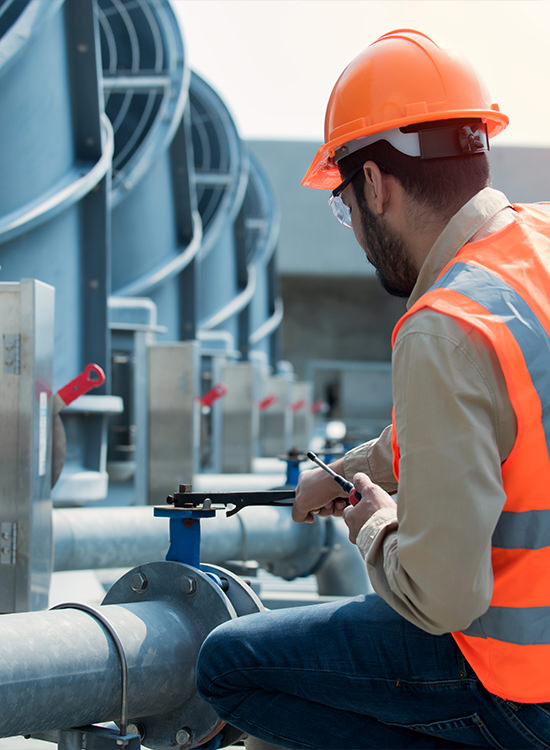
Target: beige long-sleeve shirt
(430,559)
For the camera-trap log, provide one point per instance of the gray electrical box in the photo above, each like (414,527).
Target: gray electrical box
(26,373)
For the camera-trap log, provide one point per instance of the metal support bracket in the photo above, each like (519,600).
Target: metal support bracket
(91,738)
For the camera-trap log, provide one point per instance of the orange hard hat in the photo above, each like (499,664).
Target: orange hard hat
(403,78)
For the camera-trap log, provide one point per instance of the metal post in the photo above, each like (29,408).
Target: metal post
(27,324)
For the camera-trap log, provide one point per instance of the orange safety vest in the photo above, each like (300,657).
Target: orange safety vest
(501,286)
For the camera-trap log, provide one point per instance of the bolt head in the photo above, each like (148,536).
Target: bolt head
(184,736)
(136,729)
(138,582)
(188,585)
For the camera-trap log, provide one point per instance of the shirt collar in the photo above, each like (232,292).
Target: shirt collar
(479,211)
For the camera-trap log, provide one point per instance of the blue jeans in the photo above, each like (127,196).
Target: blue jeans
(355,674)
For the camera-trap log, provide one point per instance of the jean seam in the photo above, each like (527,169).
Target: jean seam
(475,718)
(283,738)
(514,720)
(455,682)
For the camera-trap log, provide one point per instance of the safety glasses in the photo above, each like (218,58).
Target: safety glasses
(339,208)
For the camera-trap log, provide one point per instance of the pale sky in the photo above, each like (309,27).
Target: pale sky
(274,62)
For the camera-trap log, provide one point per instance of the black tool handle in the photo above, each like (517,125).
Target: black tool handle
(349,489)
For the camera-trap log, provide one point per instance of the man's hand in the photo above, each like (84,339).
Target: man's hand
(373,498)
(317,495)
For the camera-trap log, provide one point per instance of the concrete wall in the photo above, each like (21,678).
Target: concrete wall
(335,308)
(342,318)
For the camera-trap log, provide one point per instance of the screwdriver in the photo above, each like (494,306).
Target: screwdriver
(349,489)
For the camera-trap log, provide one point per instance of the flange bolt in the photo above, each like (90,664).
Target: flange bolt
(184,737)
(188,585)
(138,582)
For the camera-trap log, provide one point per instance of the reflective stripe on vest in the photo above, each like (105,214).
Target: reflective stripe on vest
(503,290)
(501,300)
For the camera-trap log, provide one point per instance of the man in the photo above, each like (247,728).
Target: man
(454,648)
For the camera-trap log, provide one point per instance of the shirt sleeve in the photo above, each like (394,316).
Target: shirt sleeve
(374,458)
(431,558)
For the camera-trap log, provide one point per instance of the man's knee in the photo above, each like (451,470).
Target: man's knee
(208,666)
(218,656)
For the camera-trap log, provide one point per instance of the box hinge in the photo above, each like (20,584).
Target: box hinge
(8,542)
(12,353)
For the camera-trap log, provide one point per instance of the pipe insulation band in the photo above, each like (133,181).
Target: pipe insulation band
(121,655)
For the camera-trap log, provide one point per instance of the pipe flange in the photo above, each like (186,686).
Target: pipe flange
(241,596)
(203,605)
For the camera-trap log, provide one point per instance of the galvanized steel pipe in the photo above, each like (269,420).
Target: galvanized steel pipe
(61,668)
(124,536)
(94,538)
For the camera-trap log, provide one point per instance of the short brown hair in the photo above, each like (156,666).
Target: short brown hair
(443,184)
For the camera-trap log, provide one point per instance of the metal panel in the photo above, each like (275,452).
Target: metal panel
(276,419)
(302,418)
(173,375)
(27,326)
(240,417)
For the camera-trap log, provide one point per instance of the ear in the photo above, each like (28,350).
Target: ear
(376,186)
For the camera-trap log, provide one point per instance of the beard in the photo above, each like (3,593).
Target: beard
(386,251)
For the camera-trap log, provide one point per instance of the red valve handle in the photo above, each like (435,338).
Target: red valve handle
(297,405)
(267,401)
(318,406)
(213,394)
(91,377)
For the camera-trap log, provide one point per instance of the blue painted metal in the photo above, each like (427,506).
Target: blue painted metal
(185,533)
(262,223)
(145,83)
(56,149)
(131,183)
(292,472)
(220,177)
(238,282)
(54,160)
